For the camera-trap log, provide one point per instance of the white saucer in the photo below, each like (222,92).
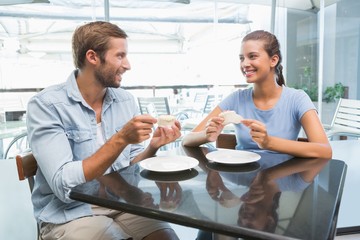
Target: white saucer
(169,163)
(229,156)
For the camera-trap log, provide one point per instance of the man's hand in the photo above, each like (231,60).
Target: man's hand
(138,129)
(164,136)
(170,195)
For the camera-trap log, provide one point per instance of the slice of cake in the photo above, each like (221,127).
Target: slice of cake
(231,117)
(166,121)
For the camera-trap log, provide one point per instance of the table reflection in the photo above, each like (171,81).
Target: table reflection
(262,200)
(169,176)
(265,179)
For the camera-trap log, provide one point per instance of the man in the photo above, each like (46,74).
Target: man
(84,128)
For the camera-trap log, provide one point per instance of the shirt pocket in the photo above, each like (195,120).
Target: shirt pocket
(81,143)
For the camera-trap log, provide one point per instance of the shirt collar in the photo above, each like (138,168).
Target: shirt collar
(74,92)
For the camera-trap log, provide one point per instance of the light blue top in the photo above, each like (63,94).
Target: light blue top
(62,133)
(283,120)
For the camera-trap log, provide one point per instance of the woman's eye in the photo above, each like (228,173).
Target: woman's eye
(252,56)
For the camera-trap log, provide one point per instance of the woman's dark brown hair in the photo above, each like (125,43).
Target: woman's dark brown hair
(272,47)
(95,36)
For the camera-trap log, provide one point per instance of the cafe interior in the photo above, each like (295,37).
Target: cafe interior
(184,57)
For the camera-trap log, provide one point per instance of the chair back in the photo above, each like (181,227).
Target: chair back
(200,97)
(346,120)
(26,168)
(211,101)
(226,140)
(17,145)
(161,105)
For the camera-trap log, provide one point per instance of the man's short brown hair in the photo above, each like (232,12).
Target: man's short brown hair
(95,36)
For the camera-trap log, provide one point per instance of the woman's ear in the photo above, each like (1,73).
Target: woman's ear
(274,60)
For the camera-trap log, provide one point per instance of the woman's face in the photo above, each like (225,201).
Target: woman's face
(256,65)
(254,216)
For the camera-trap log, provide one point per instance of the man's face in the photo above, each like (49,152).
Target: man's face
(109,73)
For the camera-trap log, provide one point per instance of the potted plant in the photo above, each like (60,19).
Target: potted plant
(333,93)
(312,91)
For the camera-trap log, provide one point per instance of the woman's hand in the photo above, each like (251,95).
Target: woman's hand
(256,191)
(213,128)
(214,185)
(257,132)
(257,188)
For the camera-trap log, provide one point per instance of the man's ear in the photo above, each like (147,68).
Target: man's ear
(91,56)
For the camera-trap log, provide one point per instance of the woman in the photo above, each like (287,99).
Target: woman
(273,113)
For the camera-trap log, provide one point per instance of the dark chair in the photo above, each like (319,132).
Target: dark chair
(26,167)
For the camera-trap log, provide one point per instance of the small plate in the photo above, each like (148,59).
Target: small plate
(229,156)
(169,163)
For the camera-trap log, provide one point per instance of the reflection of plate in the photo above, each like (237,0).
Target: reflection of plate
(248,167)
(229,156)
(169,176)
(169,163)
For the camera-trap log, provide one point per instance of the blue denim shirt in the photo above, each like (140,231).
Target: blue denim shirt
(62,133)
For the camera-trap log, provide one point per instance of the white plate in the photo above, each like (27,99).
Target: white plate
(169,163)
(229,156)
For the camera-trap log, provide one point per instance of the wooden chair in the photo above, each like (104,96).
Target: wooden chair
(346,120)
(226,140)
(26,168)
